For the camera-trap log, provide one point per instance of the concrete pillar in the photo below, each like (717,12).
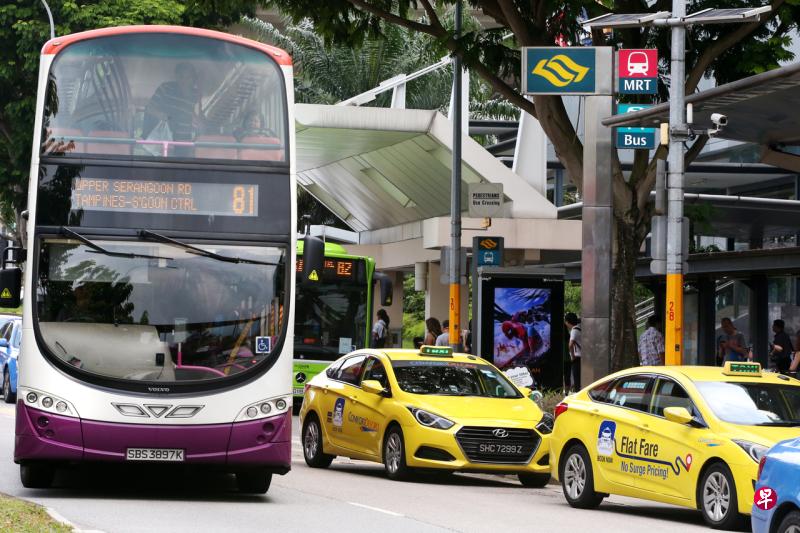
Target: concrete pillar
(707,321)
(437,297)
(530,154)
(395,311)
(759,321)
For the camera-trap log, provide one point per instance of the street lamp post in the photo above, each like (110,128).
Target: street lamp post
(455,198)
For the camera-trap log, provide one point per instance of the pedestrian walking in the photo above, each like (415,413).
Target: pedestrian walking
(444,338)
(432,331)
(380,331)
(651,344)
(573,325)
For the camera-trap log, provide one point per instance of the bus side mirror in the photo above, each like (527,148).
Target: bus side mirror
(10,287)
(313,258)
(386,287)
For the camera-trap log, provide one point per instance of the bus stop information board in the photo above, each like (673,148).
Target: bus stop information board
(165,197)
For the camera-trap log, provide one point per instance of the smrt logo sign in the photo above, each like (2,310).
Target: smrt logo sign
(638,71)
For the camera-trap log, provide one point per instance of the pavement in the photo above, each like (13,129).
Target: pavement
(351,495)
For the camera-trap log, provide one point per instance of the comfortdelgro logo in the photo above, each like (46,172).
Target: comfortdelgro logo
(560,70)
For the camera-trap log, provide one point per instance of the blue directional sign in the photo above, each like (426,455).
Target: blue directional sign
(559,70)
(635,138)
(488,251)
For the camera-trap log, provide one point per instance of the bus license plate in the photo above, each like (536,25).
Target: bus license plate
(154,454)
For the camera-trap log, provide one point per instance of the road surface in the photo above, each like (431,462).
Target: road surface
(351,495)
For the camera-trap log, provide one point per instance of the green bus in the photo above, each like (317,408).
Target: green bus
(333,315)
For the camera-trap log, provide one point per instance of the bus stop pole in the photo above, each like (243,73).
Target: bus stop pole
(455,198)
(677,124)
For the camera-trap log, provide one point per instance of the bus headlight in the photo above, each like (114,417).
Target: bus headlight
(47,402)
(264,408)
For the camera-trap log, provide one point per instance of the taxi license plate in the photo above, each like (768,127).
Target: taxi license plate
(155,454)
(510,449)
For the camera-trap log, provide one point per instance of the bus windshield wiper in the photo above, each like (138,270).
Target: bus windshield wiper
(96,247)
(153,236)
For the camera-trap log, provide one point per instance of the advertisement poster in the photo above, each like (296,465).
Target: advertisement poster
(522,328)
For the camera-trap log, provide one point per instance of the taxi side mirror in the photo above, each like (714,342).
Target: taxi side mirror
(525,391)
(678,415)
(372,386)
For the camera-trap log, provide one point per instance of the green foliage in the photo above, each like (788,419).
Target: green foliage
(413,312)
(572,298)
(24,28)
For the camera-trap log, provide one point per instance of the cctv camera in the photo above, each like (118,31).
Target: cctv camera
(719,119)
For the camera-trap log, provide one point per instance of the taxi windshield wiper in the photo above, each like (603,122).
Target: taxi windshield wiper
(153,236)
(781,423)
(97,248)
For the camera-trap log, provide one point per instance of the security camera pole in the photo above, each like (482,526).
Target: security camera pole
(679,132)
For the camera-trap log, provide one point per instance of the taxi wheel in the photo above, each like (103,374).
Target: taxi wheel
(394,455)
(716,496)
(8,396)
(577,479)
(790,524)
(534,480)
(312,444)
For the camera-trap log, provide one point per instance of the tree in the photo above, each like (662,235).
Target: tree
(326,74)
(24,28)
(725,52)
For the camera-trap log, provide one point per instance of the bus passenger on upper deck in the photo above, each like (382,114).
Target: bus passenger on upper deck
(177,104)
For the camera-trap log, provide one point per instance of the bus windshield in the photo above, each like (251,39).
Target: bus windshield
(330,319)
(162,95)
(151,311)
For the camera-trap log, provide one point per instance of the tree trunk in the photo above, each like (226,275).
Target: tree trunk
(624,352)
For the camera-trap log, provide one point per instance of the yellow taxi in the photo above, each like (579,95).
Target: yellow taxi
(427,409)
(685,435)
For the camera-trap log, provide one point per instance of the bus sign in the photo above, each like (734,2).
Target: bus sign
(165,197)
(637,138)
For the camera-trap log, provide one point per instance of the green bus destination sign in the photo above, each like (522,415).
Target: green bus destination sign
(165,197)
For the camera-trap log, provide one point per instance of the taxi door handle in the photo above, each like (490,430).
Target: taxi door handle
(595,412)
(645,427)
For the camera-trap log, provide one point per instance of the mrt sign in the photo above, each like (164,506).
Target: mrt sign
(638,71)
(559,70)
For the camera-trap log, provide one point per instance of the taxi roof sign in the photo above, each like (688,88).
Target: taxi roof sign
(436,351)
(733,368)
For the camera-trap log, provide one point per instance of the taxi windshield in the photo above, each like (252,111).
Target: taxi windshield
(450,378)
(753,403)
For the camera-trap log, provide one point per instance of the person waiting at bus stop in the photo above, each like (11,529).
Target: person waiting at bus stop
(732,344)
(780,354)
(651,344)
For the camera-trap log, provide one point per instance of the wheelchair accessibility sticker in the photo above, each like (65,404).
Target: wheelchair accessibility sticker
(263,344)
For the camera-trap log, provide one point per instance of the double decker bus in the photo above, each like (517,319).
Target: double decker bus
(160,255)
(333,316)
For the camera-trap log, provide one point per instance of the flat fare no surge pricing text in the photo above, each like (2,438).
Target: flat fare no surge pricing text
(151,196)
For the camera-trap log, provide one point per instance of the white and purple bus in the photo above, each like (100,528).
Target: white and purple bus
(160,255)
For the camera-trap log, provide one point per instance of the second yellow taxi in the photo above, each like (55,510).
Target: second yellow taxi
(426,409)
(686,435)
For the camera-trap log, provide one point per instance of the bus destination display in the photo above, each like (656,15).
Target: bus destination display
(333,268)
(165,197)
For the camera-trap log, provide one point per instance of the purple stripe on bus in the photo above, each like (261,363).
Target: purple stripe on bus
(264,442)
(46,435)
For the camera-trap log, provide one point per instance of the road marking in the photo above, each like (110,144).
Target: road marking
(58,517)
(378,509)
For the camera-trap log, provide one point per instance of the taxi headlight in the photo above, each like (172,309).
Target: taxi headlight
(431,420)
(755,451)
